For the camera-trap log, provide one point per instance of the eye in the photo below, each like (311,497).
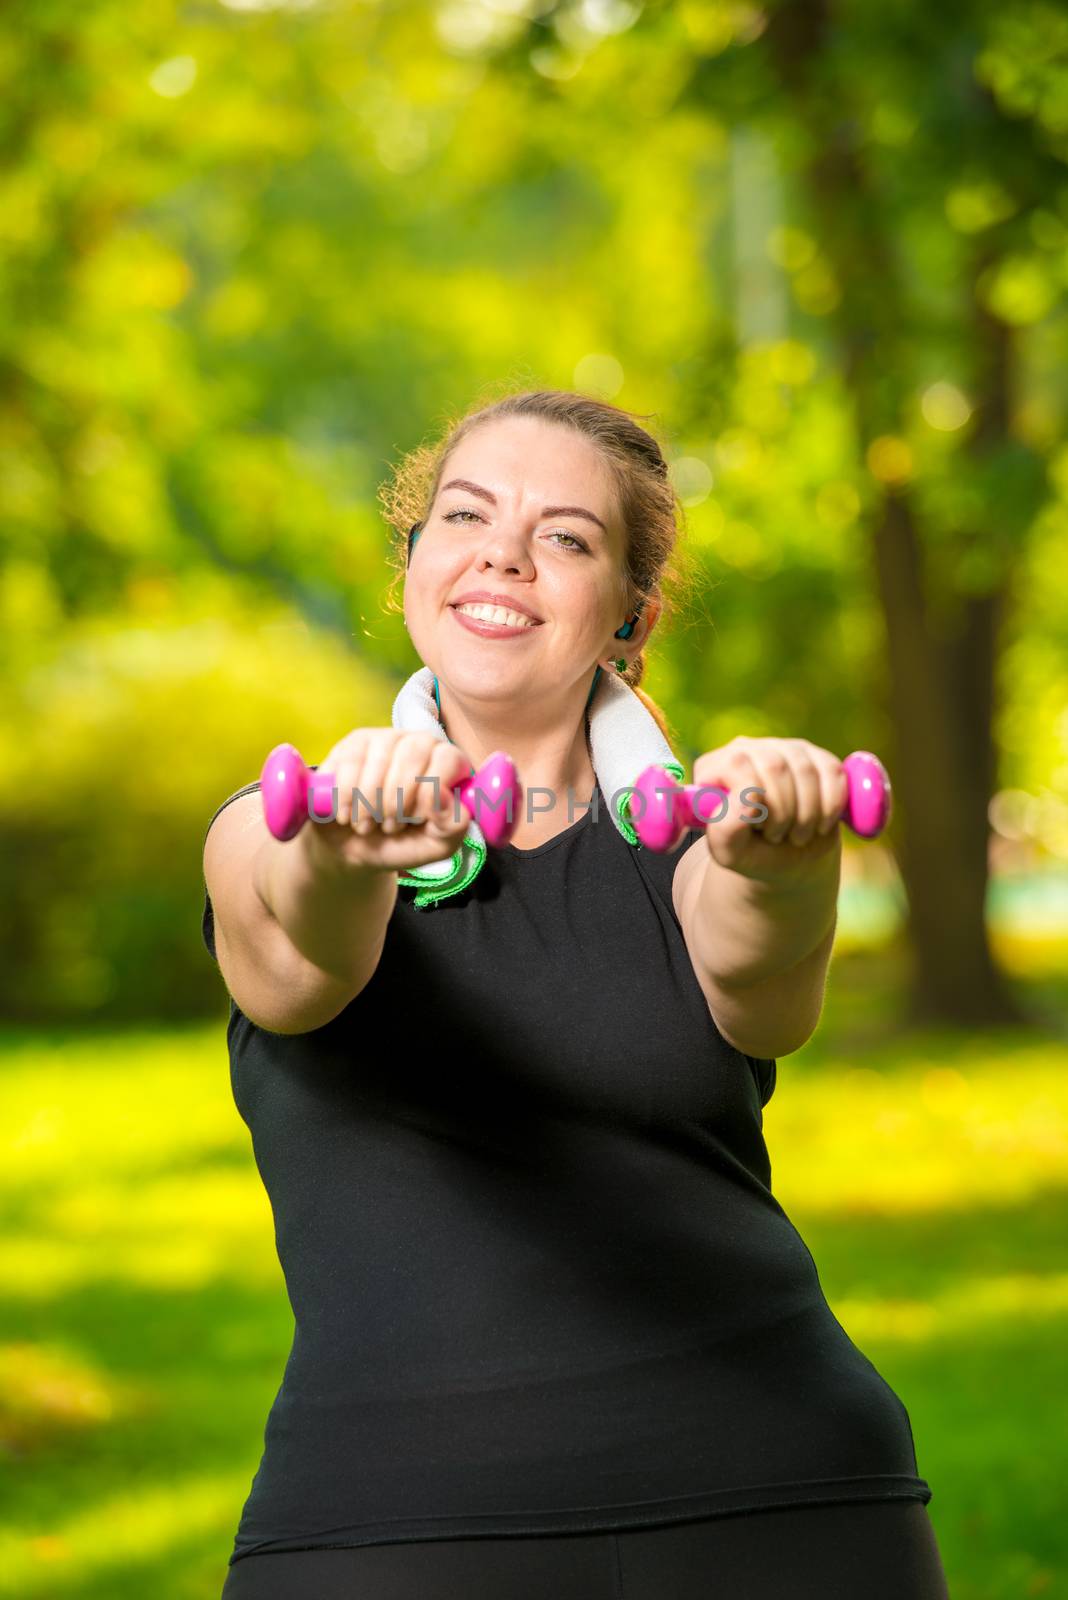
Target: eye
(557,533)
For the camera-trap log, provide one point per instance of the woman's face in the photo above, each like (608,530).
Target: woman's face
(497,531)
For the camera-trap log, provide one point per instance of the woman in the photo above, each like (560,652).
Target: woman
(553,1334)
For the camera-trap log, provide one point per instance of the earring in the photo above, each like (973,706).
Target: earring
(621,665)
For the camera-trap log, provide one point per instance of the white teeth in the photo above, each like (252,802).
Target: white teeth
(511,619)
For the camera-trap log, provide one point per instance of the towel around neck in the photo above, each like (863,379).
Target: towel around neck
(624,739)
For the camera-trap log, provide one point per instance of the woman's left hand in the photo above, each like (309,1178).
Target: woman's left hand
(804,796)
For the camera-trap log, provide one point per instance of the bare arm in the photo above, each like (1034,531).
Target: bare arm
(298,933)
(301,924)
(760,953)
(335,913)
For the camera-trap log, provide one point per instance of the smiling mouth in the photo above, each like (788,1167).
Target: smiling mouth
(501,619)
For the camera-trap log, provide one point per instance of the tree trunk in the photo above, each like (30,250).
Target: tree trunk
(941,694)
(942,659)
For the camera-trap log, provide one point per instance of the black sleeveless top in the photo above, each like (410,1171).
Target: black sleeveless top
(522,1203)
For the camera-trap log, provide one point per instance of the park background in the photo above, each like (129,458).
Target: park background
(254,251)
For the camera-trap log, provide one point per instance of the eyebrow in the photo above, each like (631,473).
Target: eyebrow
(547,511)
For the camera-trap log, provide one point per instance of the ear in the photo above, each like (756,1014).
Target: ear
(643,624)
(647,620)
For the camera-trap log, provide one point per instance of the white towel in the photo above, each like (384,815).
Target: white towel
(624,740)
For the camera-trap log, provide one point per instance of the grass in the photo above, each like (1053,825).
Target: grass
(146,1327)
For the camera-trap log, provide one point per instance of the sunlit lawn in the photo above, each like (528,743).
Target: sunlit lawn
(145,1326)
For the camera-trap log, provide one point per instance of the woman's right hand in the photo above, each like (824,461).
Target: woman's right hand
(378,762)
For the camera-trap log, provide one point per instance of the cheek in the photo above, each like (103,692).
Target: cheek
(582,599)
(415,615)
(604,611)
(426,592)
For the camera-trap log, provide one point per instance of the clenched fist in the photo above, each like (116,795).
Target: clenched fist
(394,774)
(787,831)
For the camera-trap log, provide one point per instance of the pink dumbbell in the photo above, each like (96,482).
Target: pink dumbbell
(665,809)
(493,795)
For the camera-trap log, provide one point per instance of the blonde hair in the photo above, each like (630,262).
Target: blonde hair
(650,510)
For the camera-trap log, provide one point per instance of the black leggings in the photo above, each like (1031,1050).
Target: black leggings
(878,1550)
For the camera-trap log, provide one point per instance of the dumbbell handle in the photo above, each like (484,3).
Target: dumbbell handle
(293,792)
(662,809)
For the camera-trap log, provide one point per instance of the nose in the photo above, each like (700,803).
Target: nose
(505,550)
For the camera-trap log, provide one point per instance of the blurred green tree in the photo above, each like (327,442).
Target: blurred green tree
(253,249)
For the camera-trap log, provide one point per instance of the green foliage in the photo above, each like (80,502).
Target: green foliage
(252,252)
(118,748)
